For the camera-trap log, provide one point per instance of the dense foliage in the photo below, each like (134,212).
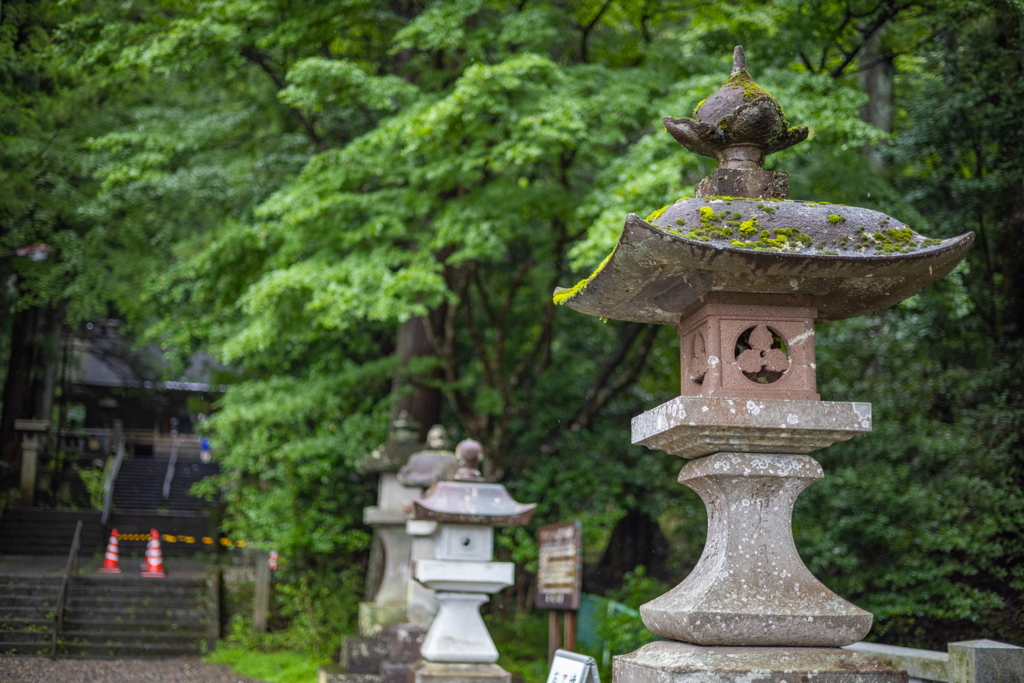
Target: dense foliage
(282,182)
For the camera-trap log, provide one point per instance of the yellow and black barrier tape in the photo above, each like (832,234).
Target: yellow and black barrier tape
(171,538)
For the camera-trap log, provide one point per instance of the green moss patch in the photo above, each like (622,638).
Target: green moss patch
(563,295)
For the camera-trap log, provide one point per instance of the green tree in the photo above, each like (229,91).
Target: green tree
(321,172)
(51,106)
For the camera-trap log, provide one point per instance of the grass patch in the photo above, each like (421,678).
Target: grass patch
(272,667)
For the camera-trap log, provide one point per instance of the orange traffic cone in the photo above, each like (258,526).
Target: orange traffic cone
(154,558)
(110,565)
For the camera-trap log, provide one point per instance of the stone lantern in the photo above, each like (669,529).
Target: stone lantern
(743,273)
(458,517)
(389,606)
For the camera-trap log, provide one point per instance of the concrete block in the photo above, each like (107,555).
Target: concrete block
(435,672)
(924,665)
(985,661)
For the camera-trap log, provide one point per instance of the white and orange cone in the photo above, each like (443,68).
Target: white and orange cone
(110,561)
(154,558)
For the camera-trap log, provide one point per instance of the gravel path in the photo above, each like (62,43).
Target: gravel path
(20,669)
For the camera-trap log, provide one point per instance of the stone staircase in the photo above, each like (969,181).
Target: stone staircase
(37,531)
(130,616)
(27,604)
(140,482)
(105,616)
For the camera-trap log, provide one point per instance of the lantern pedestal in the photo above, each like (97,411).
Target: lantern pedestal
(750,586)
(459,633)
(666,661)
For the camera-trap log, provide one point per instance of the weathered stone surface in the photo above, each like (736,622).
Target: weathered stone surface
(927,665)
(750,586)
(388,520)
(363,655)
(433,672)
(672,662)
(397,564)
(404,642)
(391,672)
(985,661)
(458,633)
(695,426)
(656,274)
(741,114)
(375,619)
(738,182)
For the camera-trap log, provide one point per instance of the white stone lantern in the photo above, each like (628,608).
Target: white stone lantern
(453,524)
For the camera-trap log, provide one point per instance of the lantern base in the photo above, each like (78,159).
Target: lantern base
(440,672)
(668,661)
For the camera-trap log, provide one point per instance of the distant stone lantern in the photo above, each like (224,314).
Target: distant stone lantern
(744,273)
(459,516)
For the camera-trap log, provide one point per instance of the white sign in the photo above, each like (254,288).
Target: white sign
(570,667)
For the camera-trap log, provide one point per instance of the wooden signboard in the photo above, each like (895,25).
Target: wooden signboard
(560,580)
(560,574)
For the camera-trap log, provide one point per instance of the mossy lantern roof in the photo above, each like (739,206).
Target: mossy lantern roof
(849,260)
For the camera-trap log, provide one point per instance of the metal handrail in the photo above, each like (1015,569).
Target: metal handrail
(170,468)
(62,596)
(108,485)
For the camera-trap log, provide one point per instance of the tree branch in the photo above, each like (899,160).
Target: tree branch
(590,27)
(261,59)
(604,389)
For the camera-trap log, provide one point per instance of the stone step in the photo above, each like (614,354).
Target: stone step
(133,602)
(134,638)
(27,635)
(32,623)
(107,616)
(129,585)
(141,625)
(25,615)
(128,650)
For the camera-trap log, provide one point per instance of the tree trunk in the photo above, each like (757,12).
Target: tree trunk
(876,79)
(421,403)
(16,392)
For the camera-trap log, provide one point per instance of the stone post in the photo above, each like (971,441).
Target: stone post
(32,432)
(744,274)
(985,661)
